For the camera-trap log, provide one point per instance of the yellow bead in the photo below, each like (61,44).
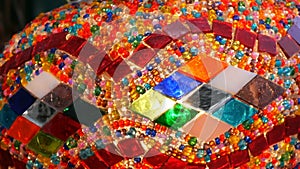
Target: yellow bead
(186,55)
(257,123)
(234,139)
(216,45)
(209,37)
(236,45)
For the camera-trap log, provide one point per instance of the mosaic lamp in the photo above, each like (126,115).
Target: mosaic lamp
(153,84)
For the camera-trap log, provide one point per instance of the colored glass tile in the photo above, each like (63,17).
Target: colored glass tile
(23,130)
(232,79)
(6,159)
(238,158)
(258,145)
(176,30)
(130,148)
(267,44)
(205,127)
(61,127)
(155,158)
(234,112)
(207,98)
(292,125)
(246,37)
(142,56)
(118,69)
(87,50)
(260,92)
(44,144)
(149,107)
(74,45)
(288,46)
(110,155)
(39,113)
(203,68)
(157,41)
(276,134)
(223,29)
(83,112)
(57,40)
(294,32)
(195,166)
(49,83)
(41,46)
(60,97)
(220,163)
(177,85)
(176,117)
(199,25)
(7,116)
(23,56)
(94,162)
(21,101)
(174,163)
(99,62)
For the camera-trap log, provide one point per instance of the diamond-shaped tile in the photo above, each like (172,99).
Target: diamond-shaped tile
(21,101)
(23,130)
(207,98)
(94,162)
(44,144)
(61,127)
(110,155)
(60,97)
(130,148)
(142,56)
(7,116)
(42,84)
(294,31)
(176,30)
(83,112)
(157,41)
(267,44)
(176,85)
(223,29)
(246,37)
(205,127)
(39,113)
(173,163)
(199,25)
(234,112)
(260,92)
(152,108)
(176,117)
(288,46)
(232,79)
(203,68)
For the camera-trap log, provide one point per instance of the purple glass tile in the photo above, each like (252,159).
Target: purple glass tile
(294,31)
(176,30)
(289,46)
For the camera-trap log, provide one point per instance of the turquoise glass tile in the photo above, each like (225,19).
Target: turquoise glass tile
(7,116)
(234,112)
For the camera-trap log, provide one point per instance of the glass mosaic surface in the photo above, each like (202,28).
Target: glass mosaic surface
(153,84)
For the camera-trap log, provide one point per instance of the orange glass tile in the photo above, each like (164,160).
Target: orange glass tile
(203,68)
(23,130)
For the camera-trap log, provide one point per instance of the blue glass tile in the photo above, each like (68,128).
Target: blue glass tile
(234,112)
(21,101)
(7,116)
(177,85)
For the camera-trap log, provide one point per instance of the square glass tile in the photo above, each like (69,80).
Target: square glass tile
(207,98)
(234,112)
(176,85)
(21,101)
(152,104)
(232,79)
(7,116)
(177,116)
(39,113)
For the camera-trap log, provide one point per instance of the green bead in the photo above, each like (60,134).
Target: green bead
(97,91)
(50,57)
(192,141)
(95,28)
(268,20)
(17,144)
(140,89)
(37,57)
(247,125)
(106,130)
(71,143)
(135,43)
(73,64)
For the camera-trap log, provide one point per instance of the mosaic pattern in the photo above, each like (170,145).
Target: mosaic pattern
(153,84)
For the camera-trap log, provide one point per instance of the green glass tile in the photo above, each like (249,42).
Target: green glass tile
(177,116)
(44,144)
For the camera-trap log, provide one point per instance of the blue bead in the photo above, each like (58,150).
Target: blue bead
(137,159)
(181,147)
(236,17)
(65,56)
(118,133)
(99,144)
(208,151)
(172,59)
(1,55)
(278,63)
(297,146)
(239,55)
(148,131)
(147,86)
(178,134)
(55,159)
(157,60)
(86,16)
(227,134)
(219,13)
(242,144)
(298,100)
(217,140)
(125,82)
(70,165)
(268,26)
(150,67)
(218,38)
(248,139)
(254,26)
(181,49)
(93,129)
(139,73)
(153,133)
(157,26)
(207,158)
(61,65)
(178,63)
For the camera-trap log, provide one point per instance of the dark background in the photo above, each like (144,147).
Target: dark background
(15,14)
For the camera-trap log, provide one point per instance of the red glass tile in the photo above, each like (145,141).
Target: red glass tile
(276,134)
(61,127)
(173,163)
(41,46)
(288,46)
(109,155)
(57,40)
(155,158)
(267,44)
(10,64)
(246,37)
(239,157)
(130,148)
(142,56)
(5,159)
(195,166)
(93,162)
(23,130)
(223,29)
(176,30)
(99,61)
(18,164)
(86,51)
(158,41)
(23,57)
(258,145)
(118,69)
(220,163)
(199,25)
(74,45)
(292,125)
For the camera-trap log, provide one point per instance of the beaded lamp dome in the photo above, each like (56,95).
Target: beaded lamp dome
(154,84)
